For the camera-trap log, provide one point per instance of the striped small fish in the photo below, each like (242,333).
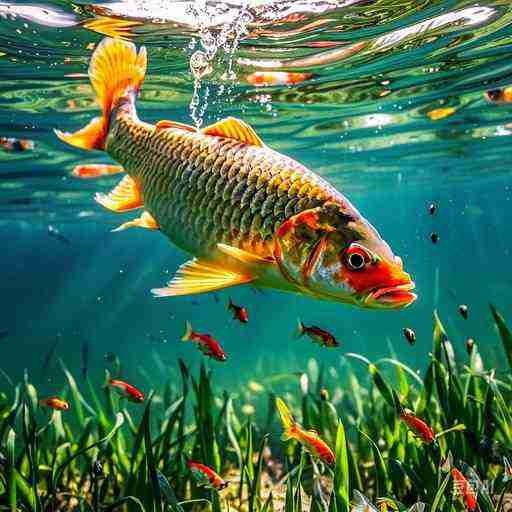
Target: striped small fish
(247,213)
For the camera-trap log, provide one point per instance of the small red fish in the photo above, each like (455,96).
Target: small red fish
(318,335)
(131,393)
(240,313)
(463,488)
(95,170)
(418,426)
(12,144)
(310,439)
(204,473)
(266,78)
(499,96)
(207,344)
(54,402)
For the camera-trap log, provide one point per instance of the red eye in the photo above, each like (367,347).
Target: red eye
(356,257)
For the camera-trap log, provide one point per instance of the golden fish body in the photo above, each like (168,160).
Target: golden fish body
(203,190)
(247,213)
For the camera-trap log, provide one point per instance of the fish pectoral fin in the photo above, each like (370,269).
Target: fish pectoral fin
(236,129)
(198,276)
(163,124)
(244,256)
(124,197)
(146,220)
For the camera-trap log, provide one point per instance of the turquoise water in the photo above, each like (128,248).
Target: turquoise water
(361,120)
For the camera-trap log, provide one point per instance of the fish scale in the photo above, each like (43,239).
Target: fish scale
(203,190)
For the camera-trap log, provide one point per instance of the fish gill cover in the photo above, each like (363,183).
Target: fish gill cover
(404,108)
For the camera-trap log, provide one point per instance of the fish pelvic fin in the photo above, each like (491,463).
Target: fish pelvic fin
(146,220)
(188,332)
(124,197)
(286,419)
(116,72)
(198,276)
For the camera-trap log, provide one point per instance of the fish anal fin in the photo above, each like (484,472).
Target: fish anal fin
(163,124)
(198,276)
(124,197)
(146,220)
(236,129)
(244,256)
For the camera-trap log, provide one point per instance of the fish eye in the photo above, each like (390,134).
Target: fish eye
(356,257)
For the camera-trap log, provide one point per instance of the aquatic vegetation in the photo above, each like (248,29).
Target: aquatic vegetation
(97,455)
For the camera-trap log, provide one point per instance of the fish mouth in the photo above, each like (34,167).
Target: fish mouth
(399,296)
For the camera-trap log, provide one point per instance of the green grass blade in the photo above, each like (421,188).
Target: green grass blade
(152,471)
(383,481)
(504,332)
(11,470)
(118,424)
(168,493)
(122,501)
(75,393)
(440,493)
(341,473)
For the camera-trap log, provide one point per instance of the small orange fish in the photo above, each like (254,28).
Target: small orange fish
(240,313)
(131,393)
(204,473)
(308,438)
(418,426)
(268,78)
(54,402)
(463,488)
(12,144)
(318,335)
(499,96)
(95,170)
(207,344)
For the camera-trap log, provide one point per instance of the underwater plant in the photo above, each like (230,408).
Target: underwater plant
(399,440)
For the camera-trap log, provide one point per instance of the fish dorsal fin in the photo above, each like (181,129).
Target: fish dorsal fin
(236,129)
(146,220)
(198,276)
(163,124)
(243,256)
(124,197)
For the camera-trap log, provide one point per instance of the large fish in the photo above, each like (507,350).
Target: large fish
(247,213)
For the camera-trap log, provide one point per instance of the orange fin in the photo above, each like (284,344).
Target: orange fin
(89,137)
(164,124)
(243,256)
(188,332)
(112,27)
(116,72)
(125,197)
(197,276)
(236,129)
(146,220)
(87,171)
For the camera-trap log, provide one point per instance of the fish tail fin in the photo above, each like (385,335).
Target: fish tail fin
(116,72)
(300,328)
(188,332)
(286,419)
(108,379)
